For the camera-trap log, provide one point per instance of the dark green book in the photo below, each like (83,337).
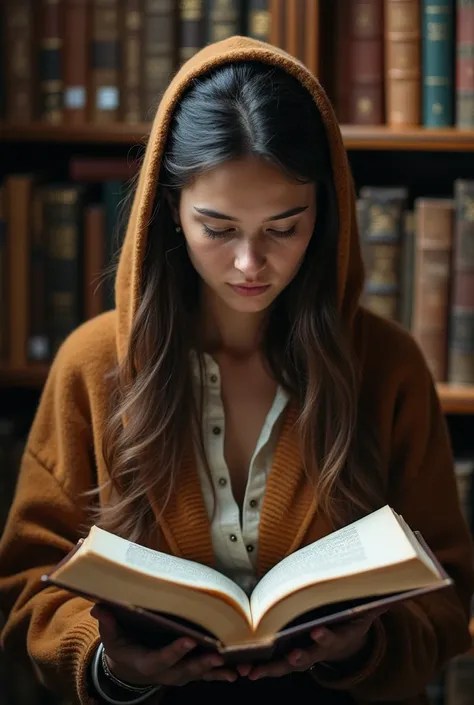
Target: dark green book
(437,62)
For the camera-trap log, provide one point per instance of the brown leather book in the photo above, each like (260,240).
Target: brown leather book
(433,248)
(461,338)
(105,103)
(50,42)
(366,62)
(160,44)
(336,44)
(311,35)
(76,51)
(18,189)
(94,260)
(131,33)
(20,74)
(465,64)
(277,23)
(403,62)
(295,39)
(191,28)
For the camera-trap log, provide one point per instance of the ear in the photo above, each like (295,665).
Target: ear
(173,205)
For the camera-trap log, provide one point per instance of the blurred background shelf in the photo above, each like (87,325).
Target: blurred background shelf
(356,137)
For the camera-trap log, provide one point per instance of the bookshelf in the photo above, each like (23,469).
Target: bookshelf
(356,137)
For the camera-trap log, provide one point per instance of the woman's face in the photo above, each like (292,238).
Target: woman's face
(247,227)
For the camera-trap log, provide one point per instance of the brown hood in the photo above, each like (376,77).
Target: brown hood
(350,269)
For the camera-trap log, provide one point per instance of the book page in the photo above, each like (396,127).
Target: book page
(374,541)
(165,566)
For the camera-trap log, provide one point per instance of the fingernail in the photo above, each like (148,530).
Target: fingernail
(188,644)
(231,679)
(260,675)
(216,661)
(298,658)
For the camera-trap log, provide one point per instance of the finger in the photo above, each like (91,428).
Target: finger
(196,668)
(300,659)
(220,674)
(327,638)
(271,670)
(244,669)
(168,657)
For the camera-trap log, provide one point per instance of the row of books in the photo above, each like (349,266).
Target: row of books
(101,61)
(403,62)
(58,241)
(419,261)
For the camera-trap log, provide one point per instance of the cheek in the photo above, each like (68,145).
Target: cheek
(291,256)
(207,257)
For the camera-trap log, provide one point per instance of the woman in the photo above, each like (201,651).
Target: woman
(255,406)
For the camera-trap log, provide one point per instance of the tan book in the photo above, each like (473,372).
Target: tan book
(374,561)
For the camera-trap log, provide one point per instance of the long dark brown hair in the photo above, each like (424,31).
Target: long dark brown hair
(239,109)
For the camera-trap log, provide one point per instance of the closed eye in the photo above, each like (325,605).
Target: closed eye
(213,234)
(284,233)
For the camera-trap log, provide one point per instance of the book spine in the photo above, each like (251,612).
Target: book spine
(342,78)
(94,260)
(105,61)
(465,64)
(277,23)
(461,338)
(18,200)
(224,19)
(19,42)
(3,274)
(50,62)
(38,342)
(191,28)
(62,219)
(295,38)
(434,242)
(258,20)
(311,24)
(402,62)
(407,270)
(381,234)
(131,33)
(77,33)
(366,62)
(460,680)
(437,62)
(464,471)
(112,198)
(160,49)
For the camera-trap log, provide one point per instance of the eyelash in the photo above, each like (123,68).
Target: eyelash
(216,234)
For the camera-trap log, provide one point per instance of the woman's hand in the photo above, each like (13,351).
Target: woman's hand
(339,644)
(138,666)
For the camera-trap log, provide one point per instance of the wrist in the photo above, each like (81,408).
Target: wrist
(114,691)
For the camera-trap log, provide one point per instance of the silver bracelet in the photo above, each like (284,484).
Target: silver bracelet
(150,690)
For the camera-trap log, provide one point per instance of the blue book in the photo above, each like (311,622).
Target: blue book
(438,62)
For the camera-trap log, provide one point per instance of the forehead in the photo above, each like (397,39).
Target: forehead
(247,184)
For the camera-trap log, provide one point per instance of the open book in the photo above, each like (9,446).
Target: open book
(374,561)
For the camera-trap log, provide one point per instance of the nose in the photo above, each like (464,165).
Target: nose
(249,259)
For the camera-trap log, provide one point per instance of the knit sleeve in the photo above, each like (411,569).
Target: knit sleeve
(47,628)
(413,641)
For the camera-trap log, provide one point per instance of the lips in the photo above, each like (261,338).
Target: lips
(250,289)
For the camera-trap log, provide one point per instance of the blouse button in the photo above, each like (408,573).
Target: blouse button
(216,430)
(253,503)
(213,378)
(249,548)
(233,537)
(222,481)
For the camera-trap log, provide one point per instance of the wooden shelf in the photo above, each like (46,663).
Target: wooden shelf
(33,376)
(118,133)
(454,400)
(413,139)
(355,137)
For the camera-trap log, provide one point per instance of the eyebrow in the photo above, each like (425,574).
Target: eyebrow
(221,216)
